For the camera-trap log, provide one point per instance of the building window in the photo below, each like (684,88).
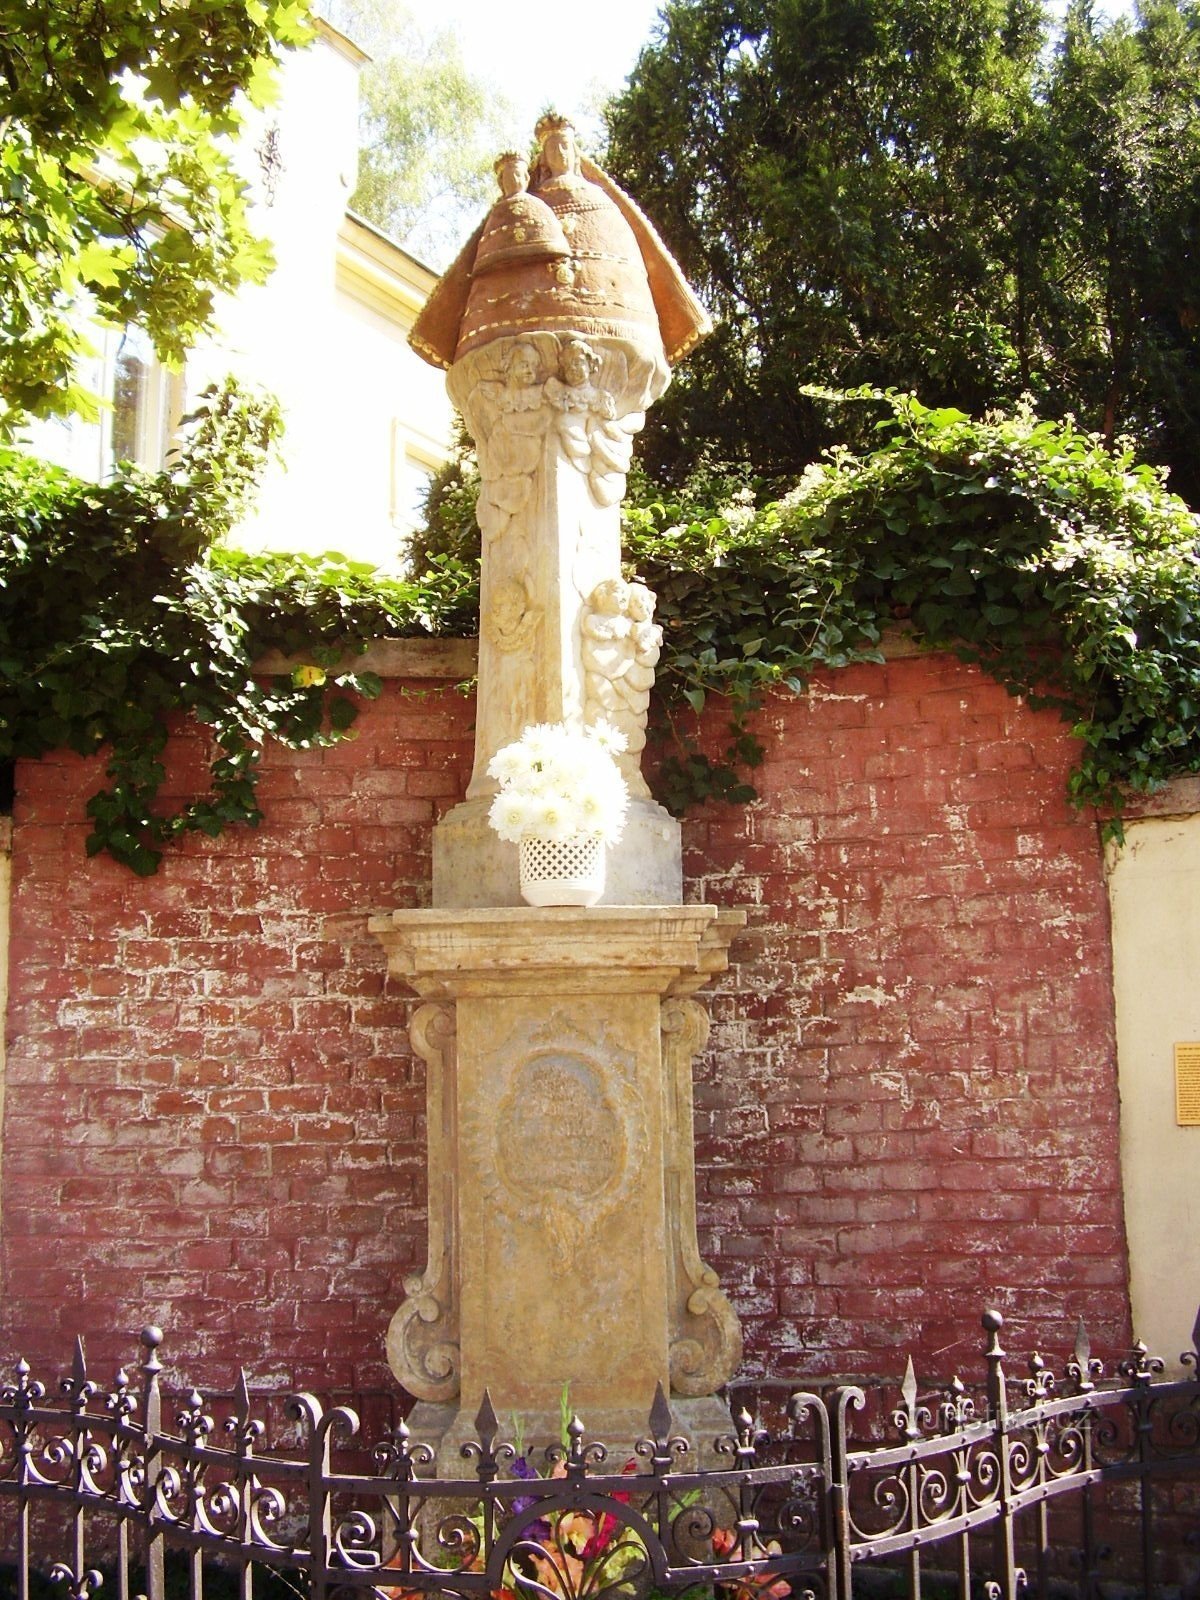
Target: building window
(141,406)
(414,463)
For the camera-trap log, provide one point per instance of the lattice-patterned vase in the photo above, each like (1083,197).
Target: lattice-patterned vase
(562,872)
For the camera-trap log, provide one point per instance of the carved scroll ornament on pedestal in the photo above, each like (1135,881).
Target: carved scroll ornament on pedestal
(706,1336)
(422,1337)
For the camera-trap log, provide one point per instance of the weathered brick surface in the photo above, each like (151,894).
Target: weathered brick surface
(908,1106)
(213,1116)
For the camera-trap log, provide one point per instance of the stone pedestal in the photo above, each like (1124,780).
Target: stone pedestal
(562,1235)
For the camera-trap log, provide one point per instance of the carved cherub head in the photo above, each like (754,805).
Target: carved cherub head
(641,602)
(512,173)
(510,618)
(610,597)
(578,363)
(524,365)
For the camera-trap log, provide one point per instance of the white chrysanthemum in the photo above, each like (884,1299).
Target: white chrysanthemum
(541,739)
(511,815)
(608,736)
(557,782)
(592,815)
(553,818)
(509,765)
(566,770)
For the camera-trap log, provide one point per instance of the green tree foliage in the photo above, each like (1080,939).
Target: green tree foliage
(1124,106)
(927,197)
(429,131)
(118,198)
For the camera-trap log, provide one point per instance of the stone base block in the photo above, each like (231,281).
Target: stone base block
(472,867)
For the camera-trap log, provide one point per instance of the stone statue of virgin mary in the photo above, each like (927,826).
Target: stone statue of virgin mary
(568,253)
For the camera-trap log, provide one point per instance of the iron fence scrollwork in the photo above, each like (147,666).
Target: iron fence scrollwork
(995,1488)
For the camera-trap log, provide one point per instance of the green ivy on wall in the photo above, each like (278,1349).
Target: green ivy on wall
(117,615)
(1067,572)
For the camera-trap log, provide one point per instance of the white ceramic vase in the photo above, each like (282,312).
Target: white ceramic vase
(562,872)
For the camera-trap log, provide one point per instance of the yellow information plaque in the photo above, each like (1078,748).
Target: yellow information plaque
(1187,1085)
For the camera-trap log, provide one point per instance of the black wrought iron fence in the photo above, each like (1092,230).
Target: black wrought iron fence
(1025,1482)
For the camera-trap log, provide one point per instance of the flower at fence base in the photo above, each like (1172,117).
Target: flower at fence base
(572,1554)
(560,783)
(761,1586)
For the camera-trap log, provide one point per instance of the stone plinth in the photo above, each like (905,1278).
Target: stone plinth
(473,867)
(562,1233)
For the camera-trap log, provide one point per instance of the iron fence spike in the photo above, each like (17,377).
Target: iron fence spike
(1196,1340)
(908,1389)
(660,1414)
(79,1365)
(241,1396)
(487,1423)
(1083,1345)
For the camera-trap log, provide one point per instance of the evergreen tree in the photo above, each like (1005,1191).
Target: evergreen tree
(925,196)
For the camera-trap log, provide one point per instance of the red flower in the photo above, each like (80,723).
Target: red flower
(758,1586)
(608,1524)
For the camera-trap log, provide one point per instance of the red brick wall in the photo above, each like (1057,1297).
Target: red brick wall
(908,1106)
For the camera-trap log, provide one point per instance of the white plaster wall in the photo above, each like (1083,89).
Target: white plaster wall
(1154,890)
(341,370)
(365,418)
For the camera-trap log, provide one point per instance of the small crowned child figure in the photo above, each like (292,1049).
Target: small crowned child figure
(519,228)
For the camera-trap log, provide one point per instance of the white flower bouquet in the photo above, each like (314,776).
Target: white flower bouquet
(560,783)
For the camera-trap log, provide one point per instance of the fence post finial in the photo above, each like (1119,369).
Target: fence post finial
(994,1355)
(151,1339)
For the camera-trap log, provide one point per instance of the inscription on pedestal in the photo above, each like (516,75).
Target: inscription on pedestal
(559,1148)
(558,1124)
